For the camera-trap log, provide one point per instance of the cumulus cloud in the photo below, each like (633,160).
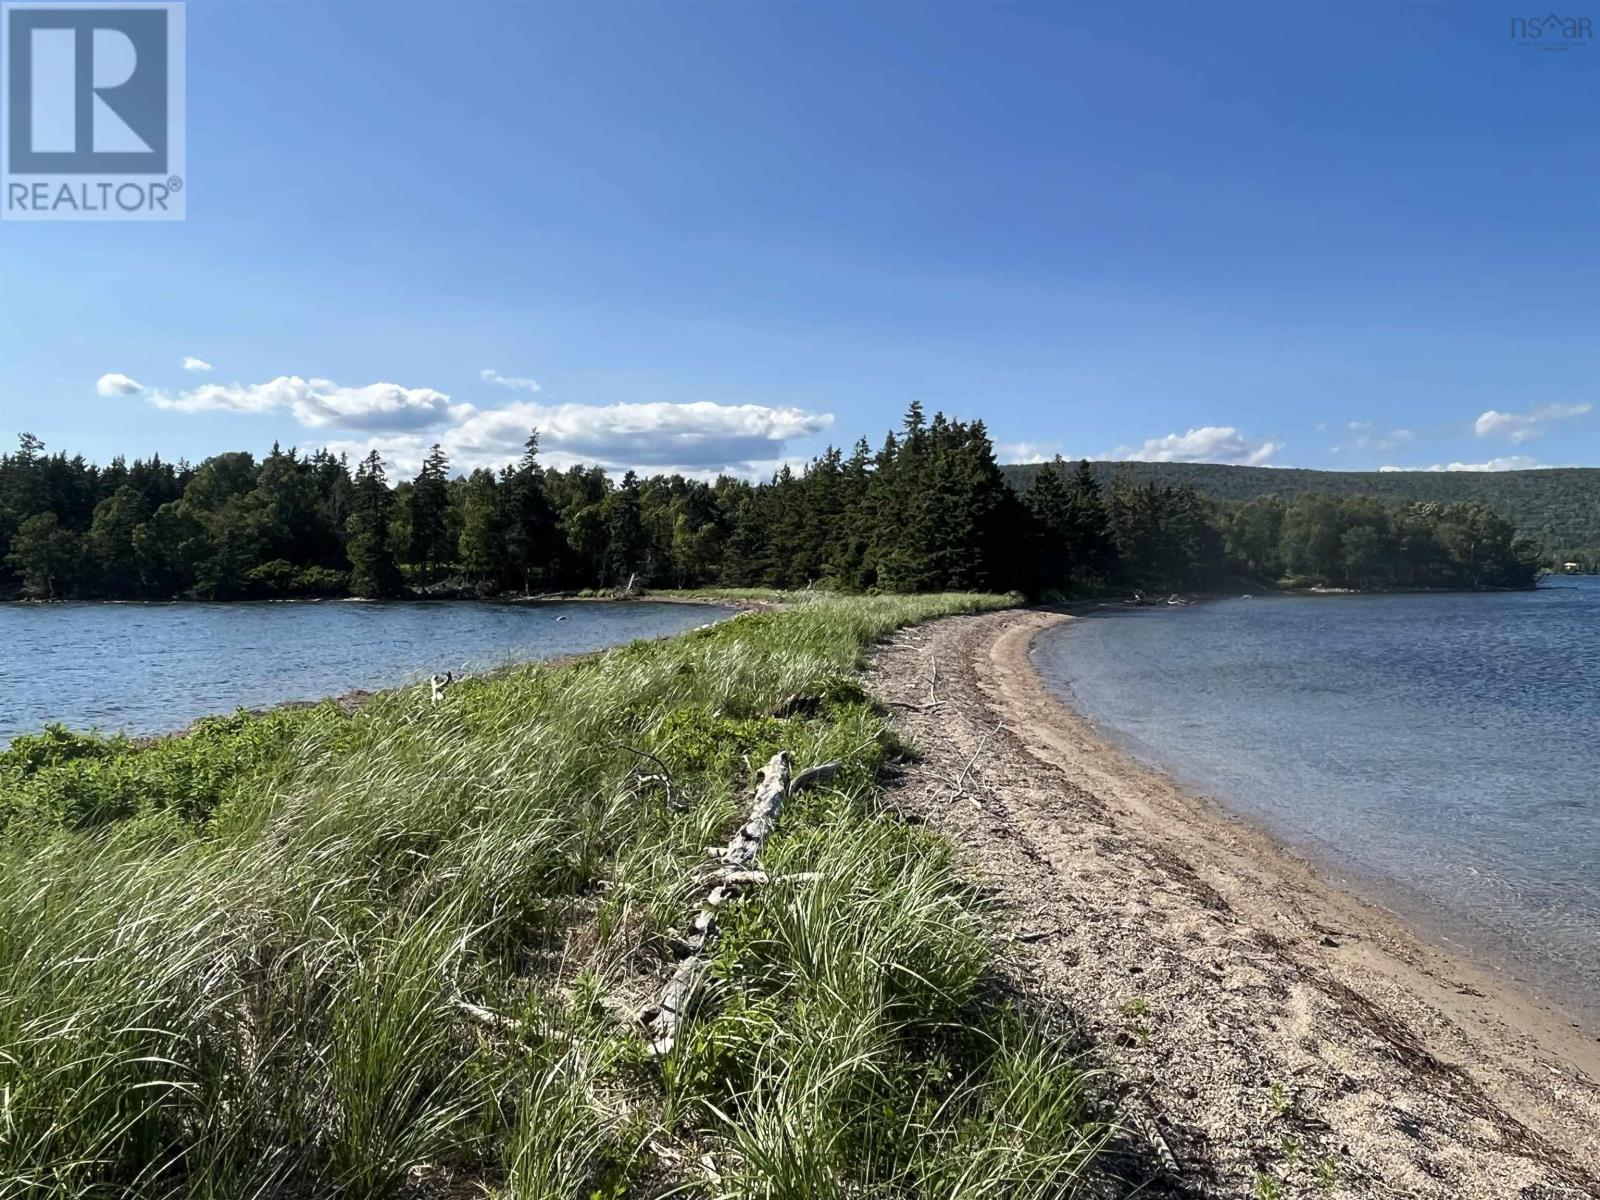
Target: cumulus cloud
(115,384)
(191,363)
(701,439)
(402,455)
(1510,462)
(400,422)
(319,403)
(1209,443)
(1392,440)
(654,435)
(1519,427)
(514,382)
(1026,452)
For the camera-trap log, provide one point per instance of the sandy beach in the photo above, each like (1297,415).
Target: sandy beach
(1273,1034)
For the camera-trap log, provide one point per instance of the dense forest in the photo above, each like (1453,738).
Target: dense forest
(1558,507)
(929,509)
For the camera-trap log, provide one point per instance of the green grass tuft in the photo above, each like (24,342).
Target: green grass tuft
(227,960)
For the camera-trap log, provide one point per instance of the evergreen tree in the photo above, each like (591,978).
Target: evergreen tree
(746,555)
(1088,531)
(427,507)
(531,533)
(929,511)
(1053,548)
(373,572)
(482,550)
(286,509)
(625,532)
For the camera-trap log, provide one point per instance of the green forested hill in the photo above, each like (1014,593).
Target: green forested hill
(1558,506)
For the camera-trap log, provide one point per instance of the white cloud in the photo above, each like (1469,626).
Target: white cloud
(321,403)
(1209,443)
(191,363)
(402,453)
(402,456)
(656,436)
(701,438)
(516,383)
(114,384)
(1520,427)
(1511,462)
(1026,452)
(1392,440)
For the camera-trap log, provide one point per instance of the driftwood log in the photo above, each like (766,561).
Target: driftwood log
(775,783)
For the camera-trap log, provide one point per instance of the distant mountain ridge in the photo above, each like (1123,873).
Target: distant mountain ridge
(1558,506)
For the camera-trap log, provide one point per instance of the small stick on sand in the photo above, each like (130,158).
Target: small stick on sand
(961,782)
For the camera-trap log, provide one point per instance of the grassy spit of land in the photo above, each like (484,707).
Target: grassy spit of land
(228,961)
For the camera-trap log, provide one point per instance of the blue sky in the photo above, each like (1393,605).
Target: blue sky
(711,235)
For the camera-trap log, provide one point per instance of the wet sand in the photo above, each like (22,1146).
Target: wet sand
(1266,1025)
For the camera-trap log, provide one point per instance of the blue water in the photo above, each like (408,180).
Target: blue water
(1441,750)
(152,668)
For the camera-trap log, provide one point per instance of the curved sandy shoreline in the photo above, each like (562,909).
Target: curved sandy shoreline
(1271,1023)
(1576,1029)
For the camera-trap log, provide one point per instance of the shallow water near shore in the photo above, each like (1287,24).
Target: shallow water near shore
(1440,751)
(154,668)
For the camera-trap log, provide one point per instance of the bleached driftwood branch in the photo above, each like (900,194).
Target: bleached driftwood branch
(484,1016)
(961,781)
(664,778)
(774,785)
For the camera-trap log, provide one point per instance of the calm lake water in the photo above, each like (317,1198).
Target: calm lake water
(152,668)
(1442,750)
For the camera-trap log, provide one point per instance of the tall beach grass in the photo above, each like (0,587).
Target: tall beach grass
(229,965)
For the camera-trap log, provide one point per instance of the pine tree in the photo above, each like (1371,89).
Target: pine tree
(1052,534)
(746,554)
(1088,531)
(372,567)
(482,547)
(845,551)
(531,533)
(625,536)
(427,506)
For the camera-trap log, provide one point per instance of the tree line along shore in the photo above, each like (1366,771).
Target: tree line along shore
(1554,506)
(930,509)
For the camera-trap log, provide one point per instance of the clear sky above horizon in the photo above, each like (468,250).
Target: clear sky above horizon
(718,236)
